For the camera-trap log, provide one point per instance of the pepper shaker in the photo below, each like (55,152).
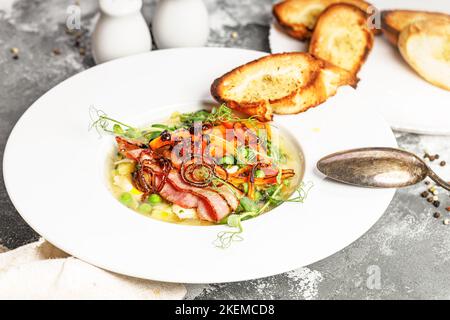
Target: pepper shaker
(120,31)
(180,23)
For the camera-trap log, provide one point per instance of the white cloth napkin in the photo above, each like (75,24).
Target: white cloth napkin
(41,271)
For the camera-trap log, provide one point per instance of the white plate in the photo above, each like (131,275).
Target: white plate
(54,172)
(388,84)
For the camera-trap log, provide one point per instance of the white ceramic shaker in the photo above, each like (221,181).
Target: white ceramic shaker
(180,23)
(120,31)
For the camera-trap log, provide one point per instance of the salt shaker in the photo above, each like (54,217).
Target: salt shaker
(120,31)
(180,23)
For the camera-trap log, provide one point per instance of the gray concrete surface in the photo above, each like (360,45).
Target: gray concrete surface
(406,255)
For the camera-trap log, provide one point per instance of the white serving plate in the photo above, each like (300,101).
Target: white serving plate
(54,171)
(388,85)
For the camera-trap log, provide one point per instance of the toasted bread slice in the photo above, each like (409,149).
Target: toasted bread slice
(282,83)
(298,17)
(393,21)
(425,45)
(342,37)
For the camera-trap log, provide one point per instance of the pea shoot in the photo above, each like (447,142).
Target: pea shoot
(226,238)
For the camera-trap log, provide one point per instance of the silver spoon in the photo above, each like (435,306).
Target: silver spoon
(377,167)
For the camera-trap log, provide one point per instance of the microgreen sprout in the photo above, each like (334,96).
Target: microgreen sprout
(226,238)
(101,122)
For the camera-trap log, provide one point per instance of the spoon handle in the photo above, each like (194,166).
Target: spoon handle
(438,180)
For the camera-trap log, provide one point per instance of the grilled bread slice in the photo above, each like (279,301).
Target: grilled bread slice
(393,21)
(298,17)
(282,83)
(342,37)
(425,45)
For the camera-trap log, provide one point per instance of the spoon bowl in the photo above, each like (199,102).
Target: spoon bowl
(377,168)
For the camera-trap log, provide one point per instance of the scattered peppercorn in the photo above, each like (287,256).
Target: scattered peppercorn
(56,51)
(14,53)
(436,203)
(436,156)
(442,163)
(437,215)
(82,51)
(427,182)
(424,194)
(430,199)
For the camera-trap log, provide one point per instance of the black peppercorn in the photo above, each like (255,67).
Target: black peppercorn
(165,135)
(436,215)
(436,203)
(206,126)
(424,194)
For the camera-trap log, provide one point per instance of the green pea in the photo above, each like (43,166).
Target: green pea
(251,155)
(145,208)
(248,205)
(259,174)
(227,160)
(242,154)
(154,198)
(245,186)
(126,198)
